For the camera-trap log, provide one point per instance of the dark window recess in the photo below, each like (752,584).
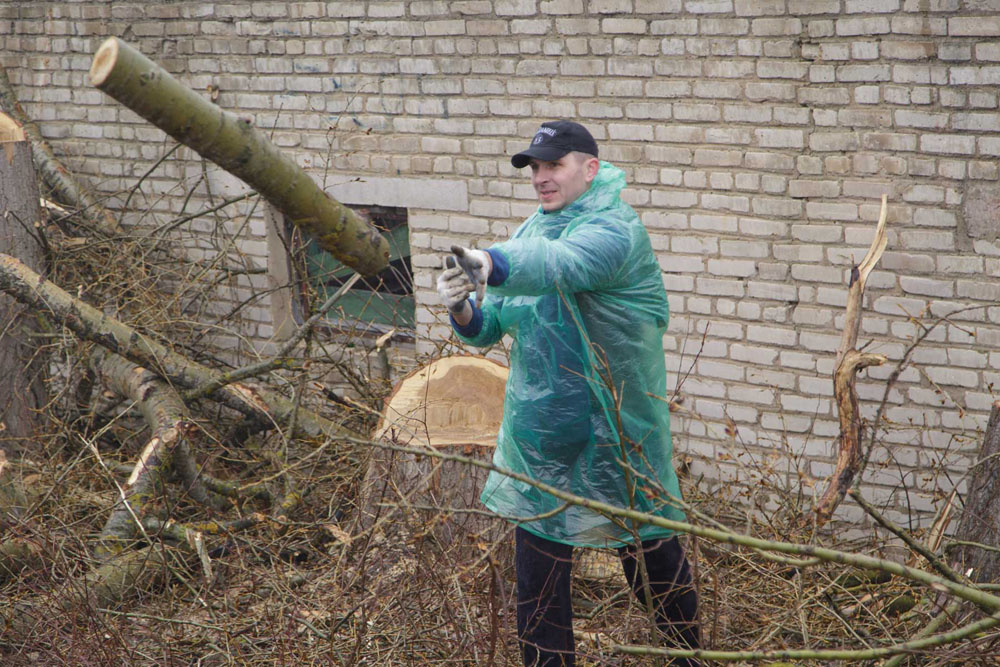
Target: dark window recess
(384,299)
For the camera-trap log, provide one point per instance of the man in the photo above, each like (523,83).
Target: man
(579,289)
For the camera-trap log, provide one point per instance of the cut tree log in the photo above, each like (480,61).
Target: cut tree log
(268,407)
(63,185)
(453,405)
(236,146)
(22,393)
(978,533)
(849,363)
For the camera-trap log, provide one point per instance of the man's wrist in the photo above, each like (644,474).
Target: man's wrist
(463,315)
(499,267)
(471,327)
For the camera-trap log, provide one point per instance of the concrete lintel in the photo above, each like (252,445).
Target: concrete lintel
(424,193)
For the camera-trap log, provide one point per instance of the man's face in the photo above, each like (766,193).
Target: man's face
(559,183)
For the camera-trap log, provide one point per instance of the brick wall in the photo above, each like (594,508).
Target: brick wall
(757,135)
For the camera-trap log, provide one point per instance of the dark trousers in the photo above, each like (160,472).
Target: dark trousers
(544,609)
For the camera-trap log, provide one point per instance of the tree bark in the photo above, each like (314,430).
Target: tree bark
(980,523)
(63,185)
(22,391)
(91,324)
(236,146)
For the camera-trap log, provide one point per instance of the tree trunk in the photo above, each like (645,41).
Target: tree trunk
(22,391)
(980,522)
(453,405)
(236,146)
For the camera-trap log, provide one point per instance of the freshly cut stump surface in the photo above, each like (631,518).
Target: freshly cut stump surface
(453,405)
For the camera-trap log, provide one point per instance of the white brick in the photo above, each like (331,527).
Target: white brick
(947,143)
(749,353)
(779,138)
(717,369)
(719,287)
(729,267)
(514,7)
(771,336)
(952,376)
(771,291)
(751,395)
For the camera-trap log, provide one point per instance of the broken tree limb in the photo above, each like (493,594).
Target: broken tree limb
(856,288)
(849,363)
(63,185)
(163,409)
(167,450)
(88,323)
(236,146)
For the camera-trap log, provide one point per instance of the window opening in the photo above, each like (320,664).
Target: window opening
(384,299)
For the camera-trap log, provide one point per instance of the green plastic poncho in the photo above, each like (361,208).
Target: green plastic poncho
(584,287)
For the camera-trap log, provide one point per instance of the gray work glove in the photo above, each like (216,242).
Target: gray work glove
(477,265)
(453,286)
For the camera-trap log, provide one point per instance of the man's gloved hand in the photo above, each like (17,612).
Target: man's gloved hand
(477,265)
(453,286)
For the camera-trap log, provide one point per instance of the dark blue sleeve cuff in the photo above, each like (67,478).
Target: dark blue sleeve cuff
(474,326)
(501,268)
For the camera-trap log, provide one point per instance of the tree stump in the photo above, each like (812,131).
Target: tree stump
(454,406)
(22,392)
(980,521)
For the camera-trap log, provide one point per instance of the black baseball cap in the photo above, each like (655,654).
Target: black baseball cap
(555,139)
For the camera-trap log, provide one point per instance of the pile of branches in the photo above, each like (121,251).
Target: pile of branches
(158,451)
(319,588)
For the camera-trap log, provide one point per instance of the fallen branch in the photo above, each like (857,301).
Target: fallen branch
(849,363)
(166,451)
(91,324)
(236,146)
